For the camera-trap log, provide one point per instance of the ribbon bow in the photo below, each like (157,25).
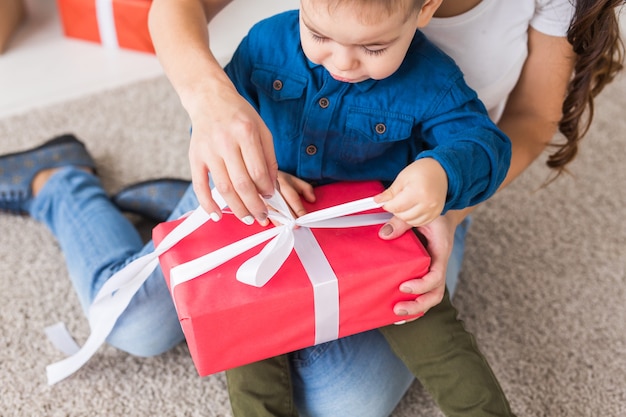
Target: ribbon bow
(259,269)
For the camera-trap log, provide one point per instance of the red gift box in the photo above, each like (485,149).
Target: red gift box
(113,23)
(228,323)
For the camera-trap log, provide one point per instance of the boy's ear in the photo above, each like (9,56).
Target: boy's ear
(429,7)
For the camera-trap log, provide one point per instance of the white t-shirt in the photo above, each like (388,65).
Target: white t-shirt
(490,42)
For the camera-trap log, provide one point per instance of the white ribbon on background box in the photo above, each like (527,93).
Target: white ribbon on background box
(106,23)
(292,233)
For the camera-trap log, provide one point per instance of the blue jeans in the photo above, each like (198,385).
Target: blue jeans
(354,376)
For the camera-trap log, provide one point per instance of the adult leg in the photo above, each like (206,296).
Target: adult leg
(358,375)
(456,257)
(97,240)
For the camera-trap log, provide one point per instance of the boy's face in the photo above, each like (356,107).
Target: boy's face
(356,45)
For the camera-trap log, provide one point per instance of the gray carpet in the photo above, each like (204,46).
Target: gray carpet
(543,286)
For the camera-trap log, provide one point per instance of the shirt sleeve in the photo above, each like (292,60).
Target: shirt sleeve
(472,150)
(239,69)
(553,17)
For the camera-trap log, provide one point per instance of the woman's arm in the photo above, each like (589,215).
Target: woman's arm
(228,137)
(534,108)
(530,119)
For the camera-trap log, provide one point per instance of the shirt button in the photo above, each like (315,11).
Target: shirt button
(324,102)
(277,85)
(311,150)
(380,128)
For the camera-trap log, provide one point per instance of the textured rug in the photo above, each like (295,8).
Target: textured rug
(543,285)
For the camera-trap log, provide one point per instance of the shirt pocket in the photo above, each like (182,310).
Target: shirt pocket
(281,101)
(372,132)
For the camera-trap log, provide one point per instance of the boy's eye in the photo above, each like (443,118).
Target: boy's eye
(317,38)
(374,52)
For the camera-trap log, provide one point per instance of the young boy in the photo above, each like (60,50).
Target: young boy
(351,90)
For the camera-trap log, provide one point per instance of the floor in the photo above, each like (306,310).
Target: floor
(43,67)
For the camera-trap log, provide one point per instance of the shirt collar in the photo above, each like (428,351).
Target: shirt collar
(363,85)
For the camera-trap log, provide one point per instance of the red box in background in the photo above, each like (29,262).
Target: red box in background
(228,323)
(113,23)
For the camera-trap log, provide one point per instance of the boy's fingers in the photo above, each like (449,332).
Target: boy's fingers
(384,196)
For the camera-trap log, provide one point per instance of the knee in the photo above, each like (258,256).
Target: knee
(146,335)
(355,376)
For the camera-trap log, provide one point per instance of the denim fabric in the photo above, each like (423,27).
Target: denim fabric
(358,375)
(326,130)
(97,240)
(456,257)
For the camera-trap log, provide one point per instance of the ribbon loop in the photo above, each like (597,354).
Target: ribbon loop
(259,269)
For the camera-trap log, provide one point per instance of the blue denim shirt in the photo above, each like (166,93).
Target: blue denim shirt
(325,130)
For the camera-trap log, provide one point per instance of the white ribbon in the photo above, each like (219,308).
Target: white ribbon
(106,23)
(116,293)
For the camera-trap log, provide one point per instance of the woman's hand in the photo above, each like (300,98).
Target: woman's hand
(228,137)
(430,288)
(230,141)
(416,198)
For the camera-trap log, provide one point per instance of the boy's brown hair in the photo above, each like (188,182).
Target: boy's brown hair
(387,7)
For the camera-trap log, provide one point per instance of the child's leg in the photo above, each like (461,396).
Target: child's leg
(445,358)
(262,389)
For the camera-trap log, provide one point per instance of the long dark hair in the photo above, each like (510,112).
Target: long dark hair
(595,36)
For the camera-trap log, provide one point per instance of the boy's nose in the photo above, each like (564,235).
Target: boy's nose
(344,60)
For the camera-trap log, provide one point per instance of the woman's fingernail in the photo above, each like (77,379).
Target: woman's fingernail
(406,290)
(249,220)
(214,216)
(386,230)
(402,313)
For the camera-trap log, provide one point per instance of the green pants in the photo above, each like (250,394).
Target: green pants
(437,349)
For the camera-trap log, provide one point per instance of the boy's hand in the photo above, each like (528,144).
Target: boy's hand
(292,189)
(418,194)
